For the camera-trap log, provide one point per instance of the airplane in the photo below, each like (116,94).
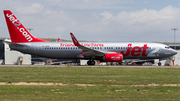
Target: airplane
(59,39)
(23,41)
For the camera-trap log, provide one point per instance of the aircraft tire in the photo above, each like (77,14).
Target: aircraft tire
(91,62)
(88,62)
(159,63)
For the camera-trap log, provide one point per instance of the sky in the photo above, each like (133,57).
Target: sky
(97,20)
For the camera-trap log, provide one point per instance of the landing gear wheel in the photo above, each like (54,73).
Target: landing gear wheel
(159,63)
(88,62)
(91,62)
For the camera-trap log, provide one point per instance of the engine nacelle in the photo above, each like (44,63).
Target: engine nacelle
(113,57)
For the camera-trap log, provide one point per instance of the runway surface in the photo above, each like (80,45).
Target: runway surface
(89,66)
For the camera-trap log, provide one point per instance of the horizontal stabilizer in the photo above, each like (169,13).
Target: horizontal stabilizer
(13,44)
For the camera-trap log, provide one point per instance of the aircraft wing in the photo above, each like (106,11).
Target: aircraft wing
(86,51)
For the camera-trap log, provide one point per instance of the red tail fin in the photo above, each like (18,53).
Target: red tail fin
(59,39)
(17,31)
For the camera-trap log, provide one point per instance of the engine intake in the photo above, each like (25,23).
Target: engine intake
(113,57)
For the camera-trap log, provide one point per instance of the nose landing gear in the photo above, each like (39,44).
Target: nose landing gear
(159,63)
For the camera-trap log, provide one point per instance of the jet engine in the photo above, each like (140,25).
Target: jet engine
(113,57)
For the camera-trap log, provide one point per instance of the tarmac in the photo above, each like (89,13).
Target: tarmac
(89,66)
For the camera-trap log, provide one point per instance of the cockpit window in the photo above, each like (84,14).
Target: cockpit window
(167,47)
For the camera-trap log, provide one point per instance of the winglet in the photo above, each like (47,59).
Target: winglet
(76,43)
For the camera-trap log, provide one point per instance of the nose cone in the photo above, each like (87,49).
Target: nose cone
(174,52)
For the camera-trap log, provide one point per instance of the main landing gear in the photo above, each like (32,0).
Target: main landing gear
(91,62)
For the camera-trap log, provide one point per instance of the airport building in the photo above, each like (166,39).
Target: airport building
(12,57)
(1,52)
